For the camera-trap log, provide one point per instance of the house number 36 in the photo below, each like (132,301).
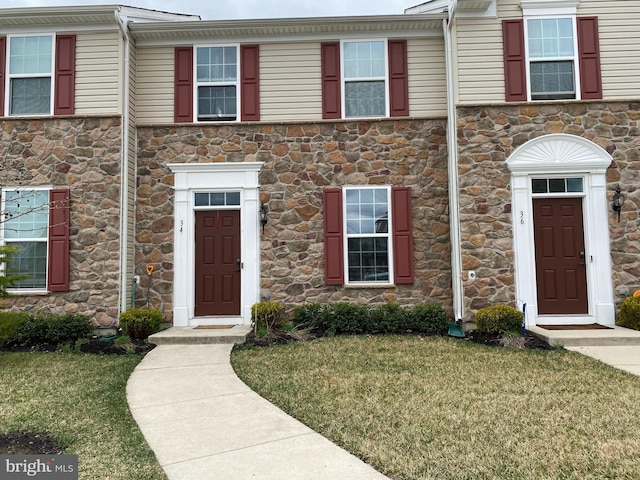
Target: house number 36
(521,218)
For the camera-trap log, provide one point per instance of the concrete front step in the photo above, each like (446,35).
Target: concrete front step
(616,336)
(198,336)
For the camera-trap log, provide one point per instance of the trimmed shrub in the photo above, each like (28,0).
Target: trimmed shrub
(139,323)
(268,316)
(49,329)
(630,313)
(498,319)
(388,318)
(348,318)
(9,322)
(428,319)
(313,316)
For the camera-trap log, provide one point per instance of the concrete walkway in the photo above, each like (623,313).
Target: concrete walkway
(203,422)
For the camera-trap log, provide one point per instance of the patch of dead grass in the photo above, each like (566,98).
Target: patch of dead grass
(422,408)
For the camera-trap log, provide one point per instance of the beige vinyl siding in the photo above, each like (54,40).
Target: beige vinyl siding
(427,80)
(97,73)
(480,61)
(290,86)
(154,85)
(480,66)
(618,24)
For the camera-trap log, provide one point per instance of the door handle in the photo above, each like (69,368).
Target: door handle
(240,265)
(582,256)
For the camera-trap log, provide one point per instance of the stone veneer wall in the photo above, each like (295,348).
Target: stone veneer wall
(82,153)
(300,160)
(487,135)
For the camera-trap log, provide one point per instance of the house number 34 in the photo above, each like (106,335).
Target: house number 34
(181,225)
(521,218)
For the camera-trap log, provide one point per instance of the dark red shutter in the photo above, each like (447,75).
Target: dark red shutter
(514,61)
(249,83)
(58,261)
(402,235)
(331,97)
(589,53)
(398,79)
(183,87)
(3,78)
(65,76)
(333,243)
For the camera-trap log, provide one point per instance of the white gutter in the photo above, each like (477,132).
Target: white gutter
(124,171)
(452,150)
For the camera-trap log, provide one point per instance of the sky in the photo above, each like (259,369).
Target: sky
(236,9)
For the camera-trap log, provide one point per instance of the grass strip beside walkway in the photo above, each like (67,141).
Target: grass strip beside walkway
(80,401)
(439,408)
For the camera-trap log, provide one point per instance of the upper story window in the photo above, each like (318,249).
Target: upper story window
(37,74)
(365,79)
(217,83)
(552,59)
(551,53)
(30,75)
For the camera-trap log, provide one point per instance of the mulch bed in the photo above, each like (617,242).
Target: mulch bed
(28,443)
(529,341)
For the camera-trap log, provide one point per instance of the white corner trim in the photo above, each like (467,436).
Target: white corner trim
(540,8)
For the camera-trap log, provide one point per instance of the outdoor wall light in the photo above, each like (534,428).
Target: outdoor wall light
(618,201)
(263,215)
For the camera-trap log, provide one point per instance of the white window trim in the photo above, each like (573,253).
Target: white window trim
(346,236)
(3,240)
(549,7)
(575,58)
(9,76)
(343,80)
(197,84)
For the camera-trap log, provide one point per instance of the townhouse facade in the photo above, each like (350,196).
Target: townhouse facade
(464,153)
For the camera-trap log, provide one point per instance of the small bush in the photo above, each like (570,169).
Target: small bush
(347,318)
(630,313)
(139,323)
(268,316)
(388,318)
(49,329)
(498,319)
(312,316)
(9,322)
(428,319)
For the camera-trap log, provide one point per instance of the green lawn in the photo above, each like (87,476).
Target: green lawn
(440,408)
(79,400)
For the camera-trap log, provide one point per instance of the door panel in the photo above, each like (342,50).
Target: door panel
(217,253)
(560,268)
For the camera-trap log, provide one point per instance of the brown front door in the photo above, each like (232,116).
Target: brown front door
(217,263)
(560,256)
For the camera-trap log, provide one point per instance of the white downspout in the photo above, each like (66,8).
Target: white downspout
(124,171)
(452,149)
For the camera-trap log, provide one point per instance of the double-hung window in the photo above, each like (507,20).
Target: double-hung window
(551,53)
(217,83)
(25,226)
(368,240)
(30,62)
(365,78)
(552,49)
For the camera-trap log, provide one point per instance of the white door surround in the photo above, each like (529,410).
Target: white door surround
(214,177)
(561,155)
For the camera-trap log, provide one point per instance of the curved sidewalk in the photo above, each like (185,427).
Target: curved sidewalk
(203,422)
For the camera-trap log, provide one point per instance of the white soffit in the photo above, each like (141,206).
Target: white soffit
(539,8)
